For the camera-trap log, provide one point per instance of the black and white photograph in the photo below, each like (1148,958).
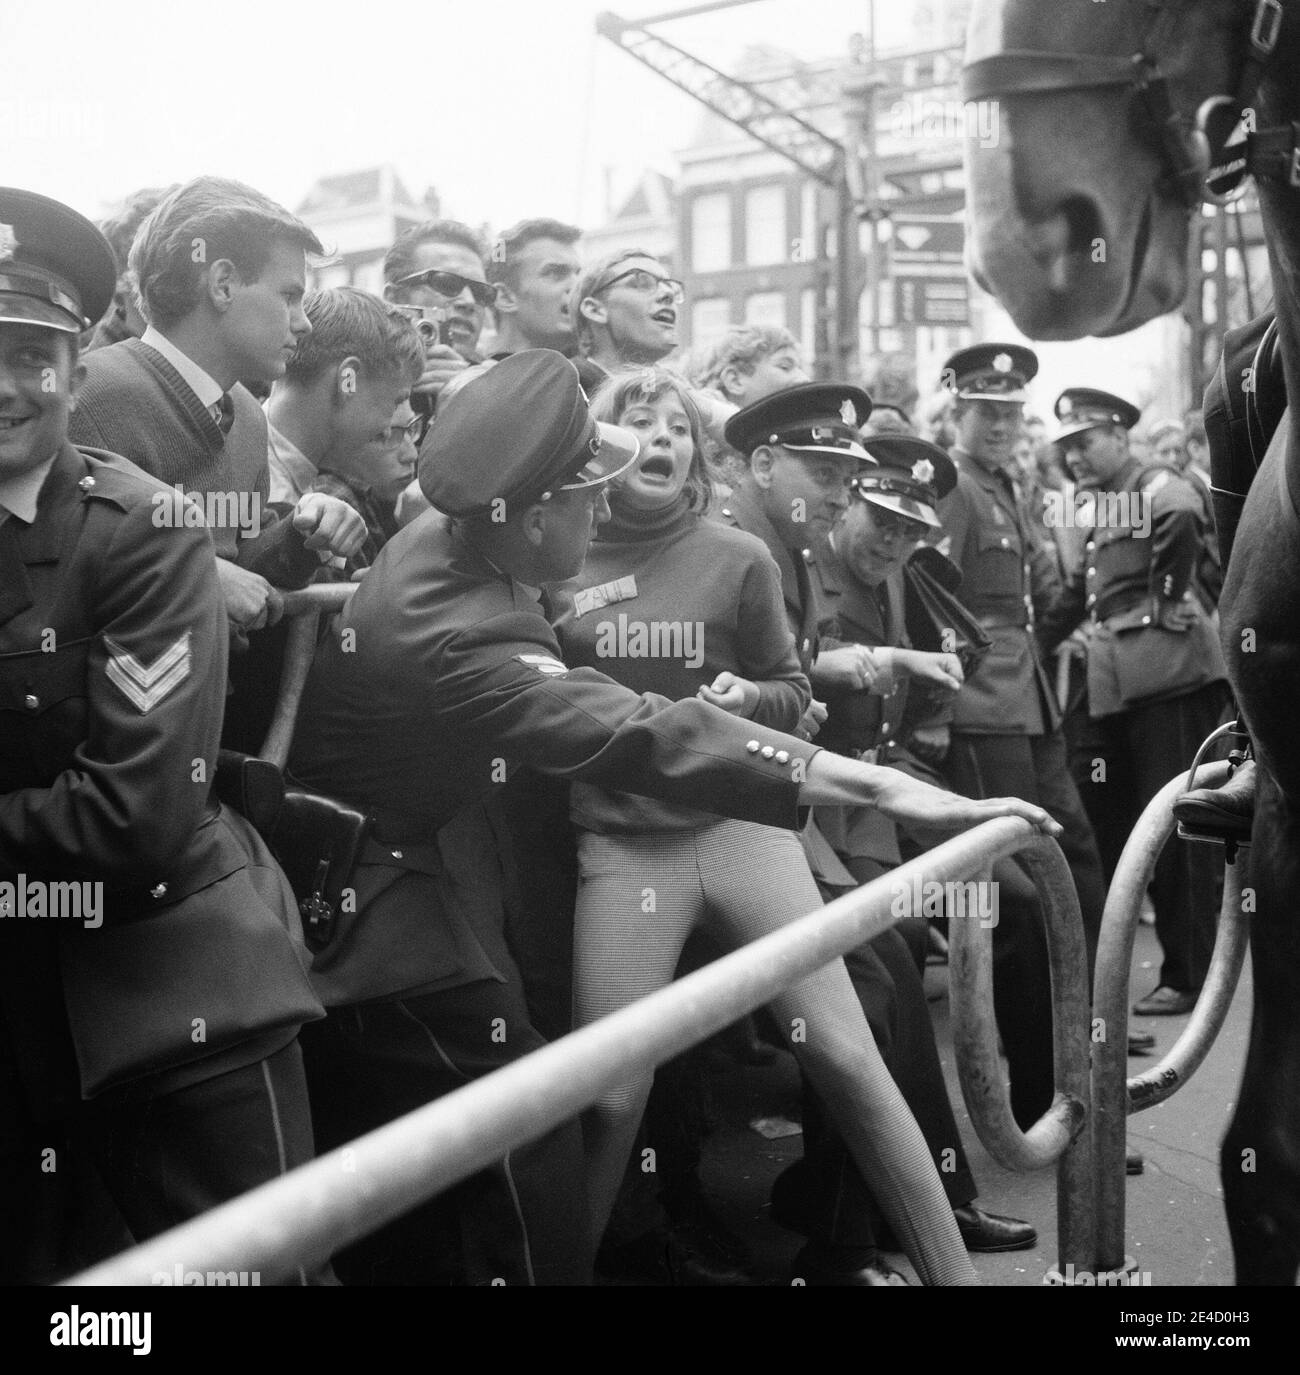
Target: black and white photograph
(645,649)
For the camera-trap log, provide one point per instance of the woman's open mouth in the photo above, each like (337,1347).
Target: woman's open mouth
(657,469)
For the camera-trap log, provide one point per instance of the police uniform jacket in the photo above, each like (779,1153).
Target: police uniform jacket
(443,675)
(860,723)
(804,609)
(1140,596)
(112,682)
(1008,580)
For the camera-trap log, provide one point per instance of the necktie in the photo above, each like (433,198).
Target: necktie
(223,412)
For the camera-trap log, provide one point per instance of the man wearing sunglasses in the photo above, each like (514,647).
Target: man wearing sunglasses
(626,310)
(435,273)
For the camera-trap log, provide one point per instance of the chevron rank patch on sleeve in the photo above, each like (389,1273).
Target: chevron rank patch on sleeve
(543,663)
(147,685)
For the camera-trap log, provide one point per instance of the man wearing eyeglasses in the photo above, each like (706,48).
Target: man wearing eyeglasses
(626,310)
(435,273)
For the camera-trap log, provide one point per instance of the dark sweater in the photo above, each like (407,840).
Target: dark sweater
(694,599)
(134,403)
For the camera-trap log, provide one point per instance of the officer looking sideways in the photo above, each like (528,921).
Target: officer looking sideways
(159,1031)
(1157,683)
(442,675)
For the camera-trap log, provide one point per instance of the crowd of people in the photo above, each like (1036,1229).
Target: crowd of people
(648,655)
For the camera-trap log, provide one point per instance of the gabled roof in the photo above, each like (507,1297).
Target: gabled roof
(346,190)
(652,196)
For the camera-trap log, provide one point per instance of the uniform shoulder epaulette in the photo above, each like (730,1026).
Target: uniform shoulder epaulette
(110,477)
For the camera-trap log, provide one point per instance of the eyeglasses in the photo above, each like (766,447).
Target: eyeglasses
(451,284)
(891,523)
(414,430)
(641,280)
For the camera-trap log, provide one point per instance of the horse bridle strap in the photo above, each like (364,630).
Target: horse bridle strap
(1272,154)
(1025,72)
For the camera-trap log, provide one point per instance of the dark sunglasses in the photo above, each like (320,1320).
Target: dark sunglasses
(641,280)
(451,284)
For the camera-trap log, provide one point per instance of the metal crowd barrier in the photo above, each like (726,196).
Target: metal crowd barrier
(1115,1096)
(302,1218)
(303,609)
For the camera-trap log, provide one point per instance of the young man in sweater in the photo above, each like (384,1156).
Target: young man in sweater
(221,272)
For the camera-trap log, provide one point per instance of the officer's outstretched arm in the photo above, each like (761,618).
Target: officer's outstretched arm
(839,781)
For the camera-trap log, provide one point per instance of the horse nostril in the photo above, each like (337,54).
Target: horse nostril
(1083,223)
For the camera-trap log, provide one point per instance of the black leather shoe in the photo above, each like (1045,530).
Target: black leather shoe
(983,1231)
(1221,814)
(1165,1002)
(823,1266)
(1141,1042)
(1133,1162)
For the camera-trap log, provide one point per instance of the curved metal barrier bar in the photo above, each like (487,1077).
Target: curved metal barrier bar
(1058,1135)
(1110,1087)
(1231,941)
(306,606)
(303,1218)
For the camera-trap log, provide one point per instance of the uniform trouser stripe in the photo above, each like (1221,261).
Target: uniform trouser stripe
(504,1165)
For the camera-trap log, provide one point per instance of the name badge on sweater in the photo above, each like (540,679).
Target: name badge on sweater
(594,598)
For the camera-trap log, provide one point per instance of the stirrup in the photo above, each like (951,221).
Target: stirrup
(1199,820)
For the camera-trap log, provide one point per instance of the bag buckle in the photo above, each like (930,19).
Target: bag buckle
(317,913)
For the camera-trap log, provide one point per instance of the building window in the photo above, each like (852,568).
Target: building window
(711,232)
(765,308)
(709,319)
(765,240)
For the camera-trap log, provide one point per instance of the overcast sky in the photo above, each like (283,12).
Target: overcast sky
(508,107)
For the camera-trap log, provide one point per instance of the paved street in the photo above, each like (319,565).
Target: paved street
(1175,1227)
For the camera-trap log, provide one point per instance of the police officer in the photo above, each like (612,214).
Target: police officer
(1006,729)
(804,455)
(442,675)
(150,989)
(1156,680)
(861,565)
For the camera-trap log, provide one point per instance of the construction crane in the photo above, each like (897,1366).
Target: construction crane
(775,124)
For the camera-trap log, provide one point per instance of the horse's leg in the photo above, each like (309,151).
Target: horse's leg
(1260,1164)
